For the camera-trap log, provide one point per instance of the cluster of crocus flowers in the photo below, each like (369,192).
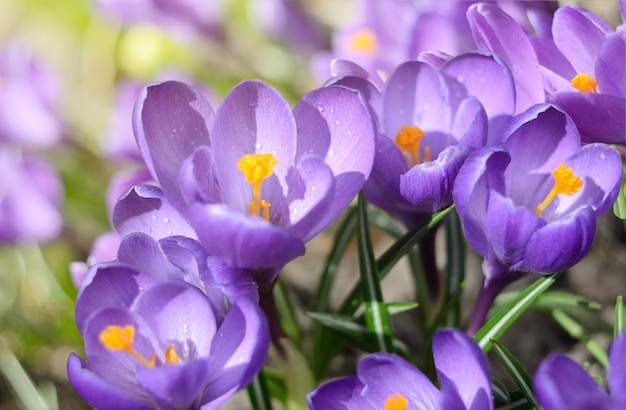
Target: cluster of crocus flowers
(269,178)
(386,381)
(576,61)
(166,326)
(534,210)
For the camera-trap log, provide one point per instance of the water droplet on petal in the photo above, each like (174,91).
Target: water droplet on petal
(331,153)
(337,122)
(258,145)
(320,109)
(166,220)
(154,217)
(312,188)
(253,104)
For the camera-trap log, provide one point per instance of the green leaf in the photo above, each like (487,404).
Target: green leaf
(286,314)
(455,267)
(259,394)
(390,257)
(375,311)
(619,207)
(500,393)
(576,330)
(619,316)
(326,345)
(400,307)
(516,370)
(497,325)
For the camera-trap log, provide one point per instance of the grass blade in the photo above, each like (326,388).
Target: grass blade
(577,331)
(516,370)
(619,316)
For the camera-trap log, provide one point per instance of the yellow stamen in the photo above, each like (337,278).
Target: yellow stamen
(565,183)
(121,338)
(396,402)
(363,41)
(408,140)
(585,83)
(170,355)
(256,168)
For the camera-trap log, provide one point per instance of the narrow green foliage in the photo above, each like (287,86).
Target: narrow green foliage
(375,311)
(577,331)
(286,313)
(500,393)
(497,325)
(259,394)
(516,370)
(619,207)
(619,316)
(455,267)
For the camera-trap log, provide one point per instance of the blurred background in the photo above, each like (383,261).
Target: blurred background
(69,71)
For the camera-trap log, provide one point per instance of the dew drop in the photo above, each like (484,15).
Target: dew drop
(185,328)
(258,145)
(154,217)
(253,104)
(337,122)
(320,109)
(168,232)
(312,189)
(332,110)
(602,156)
(166,220)
(331,153)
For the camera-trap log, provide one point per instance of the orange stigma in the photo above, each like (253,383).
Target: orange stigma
(396,402)
(565,183)
(363,41)
(121,338)
(256,168)
(408,140)
(584,83)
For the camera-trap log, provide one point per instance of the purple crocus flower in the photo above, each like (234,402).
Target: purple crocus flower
(29,100)
(576,63)
(386,381)
(152,341)
(562,384)
(269,179)
(531,204)
(31,194)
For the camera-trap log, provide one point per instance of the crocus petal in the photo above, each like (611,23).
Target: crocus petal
(496,31)
(600,168)
(599,117)
(345,68)
(560,244)
(617,372)
(416,94)
(488,78)
(399,377)
(482,172)
(170,120)
(198,180)
(509,228)
(609,69)
(470,126)
(122,182)
(175,386)
(254,118)
(312,202)
(162,308)
(108,285)
(579,35)
(341,394)
(244,241)
(145,209)
(97,392)
(460,363)
(143,253)
(560,383)
(238,351)
(428,186)
(334,124)
(368,91)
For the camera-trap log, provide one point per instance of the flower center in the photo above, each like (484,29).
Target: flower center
(565,182)
(256,168)
(364,42)
(408,140)
(396,402)
(121,338)
(584,83)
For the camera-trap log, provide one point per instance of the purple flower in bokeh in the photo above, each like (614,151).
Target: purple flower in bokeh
(562,384)
(29,99)
(181,17)
(154,340)
(386,381)
(269,179)
(577,63)
(31,194)
(531,204)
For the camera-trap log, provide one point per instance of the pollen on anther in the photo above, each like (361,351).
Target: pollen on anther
(396,402)
(565,183)
(584,83)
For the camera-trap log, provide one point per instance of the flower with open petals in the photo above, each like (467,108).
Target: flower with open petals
(562,384)
(386,381)
(531,204)
(151,342)
(255,181)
